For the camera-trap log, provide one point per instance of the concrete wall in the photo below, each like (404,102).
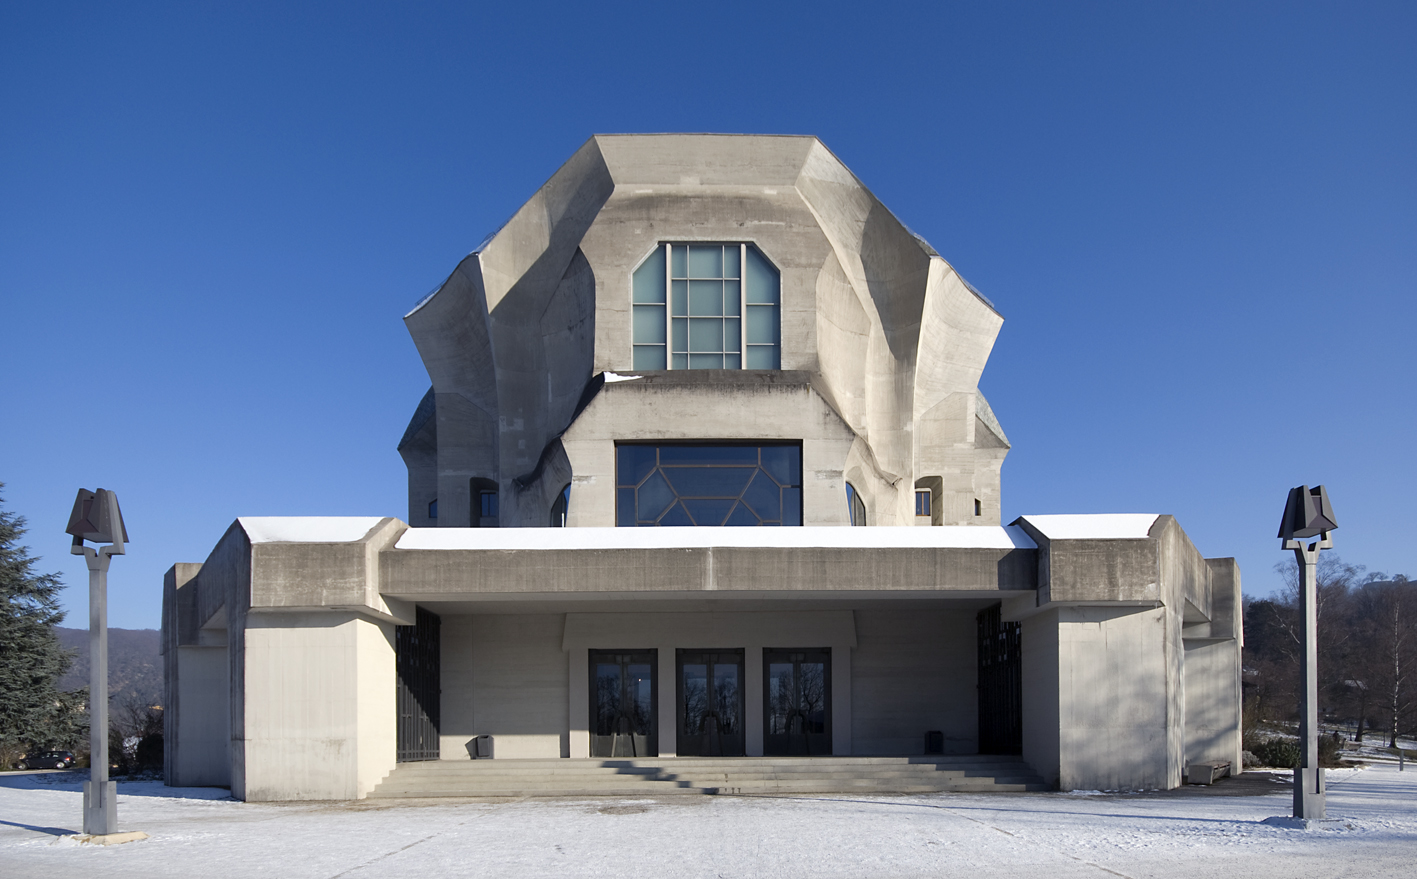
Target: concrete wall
(914,671)
(319,707)
(1097,694)
(1213,672)
(200,738)
(1213,702)
(504,675)
(714,405)
(1039,645)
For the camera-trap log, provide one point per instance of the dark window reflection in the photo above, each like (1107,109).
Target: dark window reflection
(709,485)
(622,715)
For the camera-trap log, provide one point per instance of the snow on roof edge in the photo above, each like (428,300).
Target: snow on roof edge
(1094,526)
(308,529)
(816,537)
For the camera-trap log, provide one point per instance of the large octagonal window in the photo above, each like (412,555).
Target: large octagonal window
(708,484)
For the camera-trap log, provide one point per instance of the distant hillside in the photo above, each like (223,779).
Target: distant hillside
(134,664)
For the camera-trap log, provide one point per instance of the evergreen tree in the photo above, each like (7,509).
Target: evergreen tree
(33,713)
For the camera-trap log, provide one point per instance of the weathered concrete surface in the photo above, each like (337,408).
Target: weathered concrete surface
(319,693)
(891,339)
(1118,694)
(415,575)
(505,675)
(911,672)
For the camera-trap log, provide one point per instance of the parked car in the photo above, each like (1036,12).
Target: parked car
(47,760)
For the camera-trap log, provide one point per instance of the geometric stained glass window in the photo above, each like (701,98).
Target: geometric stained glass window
(708,484)
(706,306)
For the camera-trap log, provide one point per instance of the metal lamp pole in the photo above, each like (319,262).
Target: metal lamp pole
(96,518)
(1308,514)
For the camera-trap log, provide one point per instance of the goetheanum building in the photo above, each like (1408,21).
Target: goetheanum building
(727,332)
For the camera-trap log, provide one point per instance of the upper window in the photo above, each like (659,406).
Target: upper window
(707,306)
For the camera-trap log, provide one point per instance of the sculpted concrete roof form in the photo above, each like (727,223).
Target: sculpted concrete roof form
(893,338)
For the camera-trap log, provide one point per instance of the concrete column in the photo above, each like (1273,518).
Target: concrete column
(753,701)
(841,701)
(319,707)
(668,685)
(579,703)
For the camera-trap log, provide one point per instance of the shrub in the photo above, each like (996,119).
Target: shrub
(1280,753)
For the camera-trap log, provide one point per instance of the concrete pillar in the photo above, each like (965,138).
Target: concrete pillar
(753,701)
(320,718)
(1108,715)
(578,706)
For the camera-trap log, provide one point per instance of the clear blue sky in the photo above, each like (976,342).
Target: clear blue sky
(1199,220)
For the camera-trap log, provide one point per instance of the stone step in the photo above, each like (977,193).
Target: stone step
(743,775)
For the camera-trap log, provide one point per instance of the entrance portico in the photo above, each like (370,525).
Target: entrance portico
(665,643)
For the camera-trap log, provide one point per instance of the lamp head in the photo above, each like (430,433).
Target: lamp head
(96,518)
(1307,513)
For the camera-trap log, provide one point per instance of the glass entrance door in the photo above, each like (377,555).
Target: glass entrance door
(710,709)
(623,703)
(798,710)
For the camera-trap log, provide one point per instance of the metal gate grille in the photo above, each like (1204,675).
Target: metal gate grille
(419,687)
(1000,684)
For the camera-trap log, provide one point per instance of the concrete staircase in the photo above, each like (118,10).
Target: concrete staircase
(979,773)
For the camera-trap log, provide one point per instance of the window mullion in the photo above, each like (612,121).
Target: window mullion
(742,306)
(668,306)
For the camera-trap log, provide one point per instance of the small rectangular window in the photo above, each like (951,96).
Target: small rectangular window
(978,507)
(922,502)
(433,509)
(489,504)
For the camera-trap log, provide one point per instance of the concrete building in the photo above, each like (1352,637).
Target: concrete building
(718,331)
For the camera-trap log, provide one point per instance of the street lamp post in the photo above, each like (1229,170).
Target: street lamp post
(96,518)
(1308,513)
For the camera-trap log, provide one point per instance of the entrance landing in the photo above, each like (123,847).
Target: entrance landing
(975,773)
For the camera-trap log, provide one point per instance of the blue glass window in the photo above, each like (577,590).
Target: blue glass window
(708,484)
(706,306)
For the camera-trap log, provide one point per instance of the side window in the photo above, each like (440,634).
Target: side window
(706,306)
(558,509)
(856,508)
(484,503)
(922,502)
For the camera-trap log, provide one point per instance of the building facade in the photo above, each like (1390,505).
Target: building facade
(718,331)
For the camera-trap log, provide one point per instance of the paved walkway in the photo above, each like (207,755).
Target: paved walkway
(1190,832)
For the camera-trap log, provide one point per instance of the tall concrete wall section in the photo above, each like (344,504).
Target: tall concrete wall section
(1213,672)
(504,675)
(196,675)
(319,723)
(885,331)
(914,671)
(1116,729)
(1040,648)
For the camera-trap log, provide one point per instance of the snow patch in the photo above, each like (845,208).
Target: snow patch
(1096,526)
(308,529)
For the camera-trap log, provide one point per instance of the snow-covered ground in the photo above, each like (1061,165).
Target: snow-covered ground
(1192,832)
